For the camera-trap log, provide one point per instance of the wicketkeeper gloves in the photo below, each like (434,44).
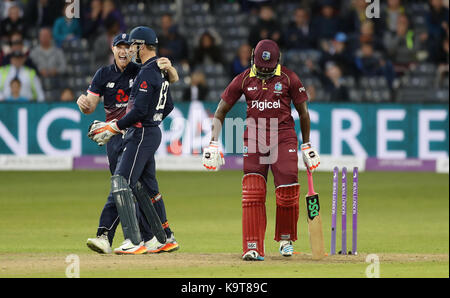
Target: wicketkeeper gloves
(100,132)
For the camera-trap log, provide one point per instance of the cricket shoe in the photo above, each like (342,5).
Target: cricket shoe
(128,248)
(286,248)
(252,255)
(99,244)
(153,246)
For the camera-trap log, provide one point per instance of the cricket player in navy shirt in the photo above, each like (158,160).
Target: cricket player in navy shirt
(149,103)
(114,83)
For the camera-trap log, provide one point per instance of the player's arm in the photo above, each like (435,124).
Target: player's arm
(165,65)
(219,117)
(87,103)
(212,156)
(305,122)
(299,97)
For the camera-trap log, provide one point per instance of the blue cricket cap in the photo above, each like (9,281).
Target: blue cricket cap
(120,38)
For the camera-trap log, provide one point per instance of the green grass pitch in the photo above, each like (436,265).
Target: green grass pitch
(46,216)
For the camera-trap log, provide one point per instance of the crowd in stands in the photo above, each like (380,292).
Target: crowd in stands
(338,51)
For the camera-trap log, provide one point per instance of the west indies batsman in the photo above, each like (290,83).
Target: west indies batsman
(270,140)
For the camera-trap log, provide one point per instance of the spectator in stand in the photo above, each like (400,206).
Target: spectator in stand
(242,60)
(401,45)
(299,35)
(332,82)
(391,13)
(13,23)
(31,85)
(366,34)
(15,96)
(437,23)
(442,60)
(67,95)
(267,27)
(109,11)
(16,43)
(5,5)
(352,19)
(369,64)
(42,13)
(197,89)
(66,29)
(327,24)
(170,43)
(207,51)
(102,46)
(336,51)
(50,60)
(92,21)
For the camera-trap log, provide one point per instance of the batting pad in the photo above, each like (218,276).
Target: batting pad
(124,199)
(253,213)
(287,212)
(146,205)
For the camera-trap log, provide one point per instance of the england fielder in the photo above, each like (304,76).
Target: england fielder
(149,103)
(270,140)
(114,83)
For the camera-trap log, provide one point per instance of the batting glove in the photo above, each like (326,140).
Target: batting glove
(212,158)
(100,132)
(310,156)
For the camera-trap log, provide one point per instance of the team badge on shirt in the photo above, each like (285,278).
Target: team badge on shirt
(278,88)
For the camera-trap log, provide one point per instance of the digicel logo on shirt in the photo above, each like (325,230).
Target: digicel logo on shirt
(262,105)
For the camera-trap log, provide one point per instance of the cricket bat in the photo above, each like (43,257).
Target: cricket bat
(314,221)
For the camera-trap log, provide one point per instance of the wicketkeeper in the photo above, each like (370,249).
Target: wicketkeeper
(270,141)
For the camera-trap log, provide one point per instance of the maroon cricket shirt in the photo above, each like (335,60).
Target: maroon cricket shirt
(269,98)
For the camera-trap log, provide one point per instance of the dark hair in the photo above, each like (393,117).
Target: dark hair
(15,80)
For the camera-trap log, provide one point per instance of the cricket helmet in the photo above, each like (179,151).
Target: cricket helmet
(143,35)
(266,56)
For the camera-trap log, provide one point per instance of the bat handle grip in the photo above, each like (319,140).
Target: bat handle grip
(310,183)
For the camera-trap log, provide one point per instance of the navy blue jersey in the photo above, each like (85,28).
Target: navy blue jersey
(115,87)
(150,100)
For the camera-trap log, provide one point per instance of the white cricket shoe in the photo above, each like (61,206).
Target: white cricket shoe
(99,244)
(153,245)
(128,248)
(252,255)
(286,248)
